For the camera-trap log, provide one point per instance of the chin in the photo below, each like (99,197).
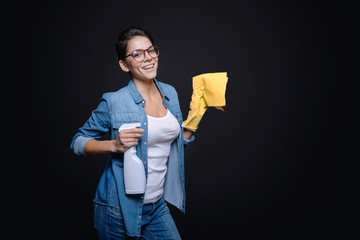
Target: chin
(150,76)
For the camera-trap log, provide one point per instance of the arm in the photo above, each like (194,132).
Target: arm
(126,139)
(87,139)
(94,128)
(94,147)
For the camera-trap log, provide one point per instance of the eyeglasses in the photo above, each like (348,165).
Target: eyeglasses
(139,54)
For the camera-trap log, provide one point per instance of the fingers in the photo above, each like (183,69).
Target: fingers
(127,141)
(130,137)
(129,145)
(131,133)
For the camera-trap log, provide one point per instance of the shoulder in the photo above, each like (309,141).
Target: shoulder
(120,94)
(118,100)
(167,88)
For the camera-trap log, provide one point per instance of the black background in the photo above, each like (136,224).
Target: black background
(279,162)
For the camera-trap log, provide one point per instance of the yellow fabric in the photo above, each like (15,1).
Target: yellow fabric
(208,91)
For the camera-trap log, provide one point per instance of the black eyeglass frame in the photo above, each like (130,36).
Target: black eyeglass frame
(156,48)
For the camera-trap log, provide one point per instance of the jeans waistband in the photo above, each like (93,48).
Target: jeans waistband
(148,204)
(154,203)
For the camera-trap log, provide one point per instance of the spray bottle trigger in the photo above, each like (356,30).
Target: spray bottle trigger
(129,126)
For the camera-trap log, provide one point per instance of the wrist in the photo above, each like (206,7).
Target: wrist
(187,133)
(112,146)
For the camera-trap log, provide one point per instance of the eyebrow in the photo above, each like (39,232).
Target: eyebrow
(140,49)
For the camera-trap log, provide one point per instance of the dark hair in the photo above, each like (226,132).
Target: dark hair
(126,36)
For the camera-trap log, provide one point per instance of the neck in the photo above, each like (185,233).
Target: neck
(146,88)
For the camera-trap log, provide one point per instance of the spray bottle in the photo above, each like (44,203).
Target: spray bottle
(134,171)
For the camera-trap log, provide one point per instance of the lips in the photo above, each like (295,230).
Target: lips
(150,66)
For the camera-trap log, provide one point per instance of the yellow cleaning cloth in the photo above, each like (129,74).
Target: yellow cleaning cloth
(208,91)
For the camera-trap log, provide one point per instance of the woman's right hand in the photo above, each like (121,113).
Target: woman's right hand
(127,138)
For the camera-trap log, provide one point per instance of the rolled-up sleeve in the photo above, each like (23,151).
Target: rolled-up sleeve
(187,142)
(79,145)
(95,127)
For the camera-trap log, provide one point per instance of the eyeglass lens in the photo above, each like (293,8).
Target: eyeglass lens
(139,55)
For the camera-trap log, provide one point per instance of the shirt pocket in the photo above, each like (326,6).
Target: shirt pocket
(121,118)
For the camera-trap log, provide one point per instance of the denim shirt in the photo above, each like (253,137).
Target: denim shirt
(127,106)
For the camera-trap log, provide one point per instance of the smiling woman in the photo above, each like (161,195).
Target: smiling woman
(159,144)
(144,62)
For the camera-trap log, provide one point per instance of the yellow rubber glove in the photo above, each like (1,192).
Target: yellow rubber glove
(208,91)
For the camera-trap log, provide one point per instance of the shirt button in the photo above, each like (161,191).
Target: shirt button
(145,142)
(144,123)
(139,217)
(145,162)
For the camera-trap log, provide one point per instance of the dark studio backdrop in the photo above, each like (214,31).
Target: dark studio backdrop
(278,162)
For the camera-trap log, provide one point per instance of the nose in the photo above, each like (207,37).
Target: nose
(147,56)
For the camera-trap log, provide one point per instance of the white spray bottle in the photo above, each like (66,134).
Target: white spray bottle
(134,171)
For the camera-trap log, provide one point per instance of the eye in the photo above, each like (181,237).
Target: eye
(137,54)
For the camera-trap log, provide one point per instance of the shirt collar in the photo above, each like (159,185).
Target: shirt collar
(136,94)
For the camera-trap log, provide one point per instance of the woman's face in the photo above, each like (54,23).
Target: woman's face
(145,70)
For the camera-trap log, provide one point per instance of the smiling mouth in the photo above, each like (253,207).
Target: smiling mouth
(149,66)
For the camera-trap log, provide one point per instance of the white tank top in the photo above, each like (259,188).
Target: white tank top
(161,133)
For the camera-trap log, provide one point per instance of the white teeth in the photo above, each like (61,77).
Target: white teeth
(150,66)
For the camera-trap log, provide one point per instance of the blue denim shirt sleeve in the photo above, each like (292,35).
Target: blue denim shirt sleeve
(95,127)
(79,145)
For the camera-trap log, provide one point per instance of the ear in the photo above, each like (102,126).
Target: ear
(124,66)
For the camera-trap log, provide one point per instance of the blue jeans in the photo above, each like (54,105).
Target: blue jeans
(156,222)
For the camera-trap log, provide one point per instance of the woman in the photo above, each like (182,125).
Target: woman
(159,143)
